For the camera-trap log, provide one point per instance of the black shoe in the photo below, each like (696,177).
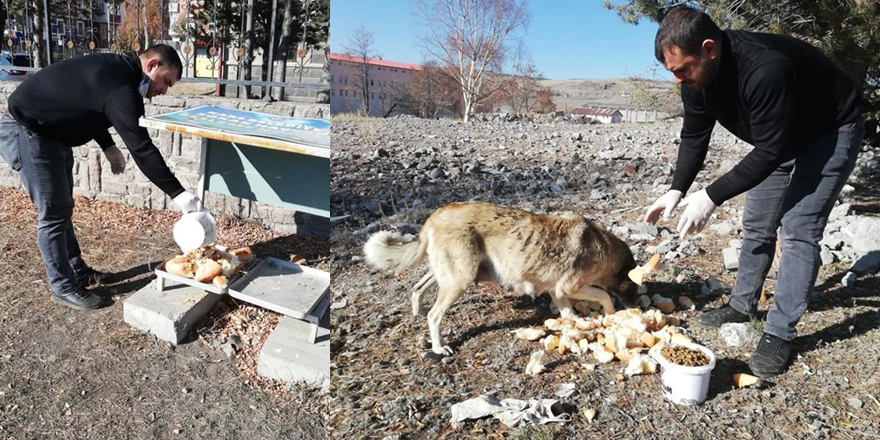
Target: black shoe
(81,299)
(723,315)
(90,277)
(771,357)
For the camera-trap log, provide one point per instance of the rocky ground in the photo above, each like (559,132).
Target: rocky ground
(391,174)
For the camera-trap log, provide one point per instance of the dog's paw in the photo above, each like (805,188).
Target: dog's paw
(443,351)
(436,356)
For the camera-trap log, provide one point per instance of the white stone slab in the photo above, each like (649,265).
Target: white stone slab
(283,287)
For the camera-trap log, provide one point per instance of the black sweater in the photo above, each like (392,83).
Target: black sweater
(75,101)
(772,91)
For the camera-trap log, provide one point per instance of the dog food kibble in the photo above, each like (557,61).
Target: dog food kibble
(687,357)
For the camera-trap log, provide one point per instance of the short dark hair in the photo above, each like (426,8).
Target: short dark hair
(685,28)
(167,55)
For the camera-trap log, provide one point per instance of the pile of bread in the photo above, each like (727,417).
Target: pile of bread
(626,336)
(209,264)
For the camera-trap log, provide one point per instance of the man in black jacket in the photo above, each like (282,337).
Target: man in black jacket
(802,115)
(68,104)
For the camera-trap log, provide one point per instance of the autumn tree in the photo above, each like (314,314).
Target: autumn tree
(141,25)
(470,37)
(521,90)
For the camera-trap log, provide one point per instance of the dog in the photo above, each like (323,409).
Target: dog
(566,255)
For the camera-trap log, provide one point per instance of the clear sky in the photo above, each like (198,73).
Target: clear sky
(566,38)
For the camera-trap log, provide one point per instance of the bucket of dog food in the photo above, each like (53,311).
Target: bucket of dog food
(685,371)
(194,230)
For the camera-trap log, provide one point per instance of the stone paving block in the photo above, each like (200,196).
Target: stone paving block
(169,315)
(731,258)
(287,355)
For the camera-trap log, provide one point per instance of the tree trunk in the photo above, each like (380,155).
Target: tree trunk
(249,47)
(38,45)
(146,28)
(468,106)
(283,48)
(3,18)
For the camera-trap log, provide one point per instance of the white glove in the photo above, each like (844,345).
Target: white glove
(696,215)
(188,202)
(666,203)
(116,159)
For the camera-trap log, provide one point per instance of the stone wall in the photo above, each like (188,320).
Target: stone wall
(93,179)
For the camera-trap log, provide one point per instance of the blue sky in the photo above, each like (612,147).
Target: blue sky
(566,38)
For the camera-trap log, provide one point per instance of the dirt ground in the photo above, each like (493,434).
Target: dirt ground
(68,374)
(383,386)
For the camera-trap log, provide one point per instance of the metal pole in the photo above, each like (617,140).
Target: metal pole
(269,77)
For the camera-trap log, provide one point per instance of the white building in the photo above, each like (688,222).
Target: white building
(603,115)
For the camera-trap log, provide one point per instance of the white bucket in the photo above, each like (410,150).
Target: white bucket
(681,384)
(194,230)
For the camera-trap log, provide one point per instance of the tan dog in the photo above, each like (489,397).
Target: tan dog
(565,255)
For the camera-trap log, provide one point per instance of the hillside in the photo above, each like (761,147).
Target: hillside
(616,92)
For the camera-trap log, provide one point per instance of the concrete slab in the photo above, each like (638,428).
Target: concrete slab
(287,355)
(170,314)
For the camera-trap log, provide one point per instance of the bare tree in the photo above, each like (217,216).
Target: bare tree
(360,49)
(521,90)
(469,37)
(433,90)
(651,94)
(397,98)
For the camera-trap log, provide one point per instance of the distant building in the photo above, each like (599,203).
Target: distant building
(385,79)
(603,115)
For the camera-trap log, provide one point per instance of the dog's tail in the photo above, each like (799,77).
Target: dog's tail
(392,250)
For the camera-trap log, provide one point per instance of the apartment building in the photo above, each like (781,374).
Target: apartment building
(385,80)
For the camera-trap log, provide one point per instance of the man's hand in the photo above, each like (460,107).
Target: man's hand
(666,203)
(188,202)
(696,215)
(116,159)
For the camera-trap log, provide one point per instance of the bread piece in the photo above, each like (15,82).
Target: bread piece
(243,254)
(180,266)
(743,380)
(220,281)
(207,270)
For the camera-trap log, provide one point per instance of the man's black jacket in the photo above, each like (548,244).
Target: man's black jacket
(772,91)
(76,100)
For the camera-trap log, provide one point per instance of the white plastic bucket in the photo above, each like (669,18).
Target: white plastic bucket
(681,384)
(194,230)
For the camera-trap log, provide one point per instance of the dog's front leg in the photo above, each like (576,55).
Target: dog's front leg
(560,300)
(420,288)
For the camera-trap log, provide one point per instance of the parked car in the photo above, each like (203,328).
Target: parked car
(14,59)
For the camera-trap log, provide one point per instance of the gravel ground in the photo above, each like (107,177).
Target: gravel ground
(391,174)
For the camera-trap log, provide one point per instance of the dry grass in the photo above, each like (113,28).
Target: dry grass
(70,374)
